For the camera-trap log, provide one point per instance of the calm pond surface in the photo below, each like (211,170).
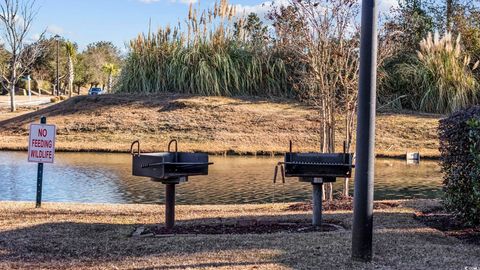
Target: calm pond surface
(106,178)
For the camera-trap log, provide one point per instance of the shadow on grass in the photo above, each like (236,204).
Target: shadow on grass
(95,104)
(72,242)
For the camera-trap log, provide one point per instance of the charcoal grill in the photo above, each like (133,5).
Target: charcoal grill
(316,168)
(170,168)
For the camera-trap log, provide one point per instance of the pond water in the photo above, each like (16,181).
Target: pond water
(106,178)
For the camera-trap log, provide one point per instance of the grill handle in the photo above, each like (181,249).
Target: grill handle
(137,142)
(170,145)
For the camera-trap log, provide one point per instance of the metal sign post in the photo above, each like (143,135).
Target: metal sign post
(365,153)
(39,185)
(41,149)
(43,120)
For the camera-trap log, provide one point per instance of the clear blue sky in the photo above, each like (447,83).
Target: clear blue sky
(87,21)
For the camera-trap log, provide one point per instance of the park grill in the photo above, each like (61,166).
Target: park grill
(316,168)
(318,165)
(170,168)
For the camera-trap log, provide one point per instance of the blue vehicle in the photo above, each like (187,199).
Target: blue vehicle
(95,91)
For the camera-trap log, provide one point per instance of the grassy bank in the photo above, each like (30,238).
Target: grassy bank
(216,125)
(65,236)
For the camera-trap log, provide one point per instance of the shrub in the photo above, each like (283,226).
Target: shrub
(460,159)
(40,84)
(54,99)
(63,97)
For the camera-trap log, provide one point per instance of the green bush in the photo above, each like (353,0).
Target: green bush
(460,159)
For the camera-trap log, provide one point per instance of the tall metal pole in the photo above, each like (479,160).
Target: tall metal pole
(29,86)
(58,54)
(364,171)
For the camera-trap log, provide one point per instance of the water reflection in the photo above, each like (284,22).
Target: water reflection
(106,178)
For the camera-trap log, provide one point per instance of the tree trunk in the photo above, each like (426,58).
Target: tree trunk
(71,75)
(330,191)
(13,105)
(346,194)
(449,15)
(109,82)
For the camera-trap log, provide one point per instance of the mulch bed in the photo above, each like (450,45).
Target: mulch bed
(439,219)
(240,227)
(336,205)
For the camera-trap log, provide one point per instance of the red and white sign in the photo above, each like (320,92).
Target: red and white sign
(41,143)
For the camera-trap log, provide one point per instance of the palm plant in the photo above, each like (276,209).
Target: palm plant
(111,70)
(71,54)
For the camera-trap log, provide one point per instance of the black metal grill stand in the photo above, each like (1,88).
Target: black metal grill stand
(317,204)
(169,206)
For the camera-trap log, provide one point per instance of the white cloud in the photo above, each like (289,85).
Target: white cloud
(186,1)
(55,30)
(173,1)
(35,37)
(385,6)
(261,9)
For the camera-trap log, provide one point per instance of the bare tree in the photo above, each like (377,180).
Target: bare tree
(16,17)
(332,53)
(324,34)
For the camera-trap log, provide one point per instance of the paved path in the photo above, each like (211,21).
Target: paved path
(24,101)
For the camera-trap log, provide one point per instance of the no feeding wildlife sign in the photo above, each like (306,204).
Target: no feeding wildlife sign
(41,143)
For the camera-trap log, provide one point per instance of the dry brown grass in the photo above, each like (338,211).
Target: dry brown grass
(216,125)
(82,236)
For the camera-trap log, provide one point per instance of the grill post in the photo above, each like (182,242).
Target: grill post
(38,204)
(169,205)
(317,204)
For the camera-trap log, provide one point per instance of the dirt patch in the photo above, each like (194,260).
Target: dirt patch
(337,205)
(439,219)
(241,227)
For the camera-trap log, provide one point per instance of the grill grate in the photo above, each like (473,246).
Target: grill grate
(315,163)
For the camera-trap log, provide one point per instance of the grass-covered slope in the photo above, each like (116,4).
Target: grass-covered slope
(212,124)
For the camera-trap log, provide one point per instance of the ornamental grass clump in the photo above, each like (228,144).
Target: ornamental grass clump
(204,56)
(439,79)
(452,84)
(460,160)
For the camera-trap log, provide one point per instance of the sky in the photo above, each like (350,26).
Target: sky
(118,21)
